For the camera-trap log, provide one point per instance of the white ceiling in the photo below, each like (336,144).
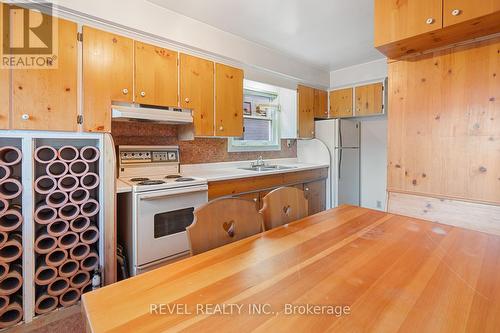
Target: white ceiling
(329,34)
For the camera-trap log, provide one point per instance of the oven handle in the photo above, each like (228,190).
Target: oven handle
(177,191)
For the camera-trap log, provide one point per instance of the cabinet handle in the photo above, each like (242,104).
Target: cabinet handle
(25,116)
(430,20)
(186,100)
(125,91)
(143,94)
(221,128)
(456,12)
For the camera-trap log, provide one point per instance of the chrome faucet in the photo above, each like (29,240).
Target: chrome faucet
(259,162)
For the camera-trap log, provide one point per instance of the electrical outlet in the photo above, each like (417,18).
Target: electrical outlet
(379,204)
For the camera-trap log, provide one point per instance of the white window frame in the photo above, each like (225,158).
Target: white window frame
(235,145)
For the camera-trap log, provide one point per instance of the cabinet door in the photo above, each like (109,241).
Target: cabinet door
(254,196)
(228,101)
(156,78)
(456,11)
(396,20)
(45,99)
(369,99)
(320,104)
(197,92)
(315,193)
(107,76)
(4,98)
(341,103)
(306,114)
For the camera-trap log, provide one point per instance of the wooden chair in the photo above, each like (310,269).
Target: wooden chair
(221,222)
(283,205)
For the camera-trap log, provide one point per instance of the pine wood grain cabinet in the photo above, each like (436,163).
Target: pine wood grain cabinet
(108,64)
(458,11)
(46,99)
(413,26)
(155,75)
(4,98)
(341,103)
(228,101)
(396,20)
(369,99)
(315,193)
(197,92)
(305,116)
(320,104)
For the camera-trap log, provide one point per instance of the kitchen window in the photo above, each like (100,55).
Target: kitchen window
(261,120)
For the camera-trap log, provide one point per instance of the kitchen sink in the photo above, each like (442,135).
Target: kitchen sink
(268,168)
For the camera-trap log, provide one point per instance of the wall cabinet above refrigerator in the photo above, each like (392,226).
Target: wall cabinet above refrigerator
(358,101)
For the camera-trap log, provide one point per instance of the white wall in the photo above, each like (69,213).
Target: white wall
(373,135)
(359,73)
(373,162)
(139,17)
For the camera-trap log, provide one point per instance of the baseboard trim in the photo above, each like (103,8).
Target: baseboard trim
(468,215)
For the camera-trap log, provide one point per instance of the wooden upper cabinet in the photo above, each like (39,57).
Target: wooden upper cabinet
(341,103)
(405,27)
(4,98)
(305,97)
(396,20)
(107,76)
(369,99)
(320,104)
(457,11)
(46,99)
(197,92)
(156,78)
(228,101)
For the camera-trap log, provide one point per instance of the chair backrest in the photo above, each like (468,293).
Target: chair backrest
(282,206)
(223,221)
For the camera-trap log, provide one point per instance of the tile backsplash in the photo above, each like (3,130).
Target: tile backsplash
(200,150)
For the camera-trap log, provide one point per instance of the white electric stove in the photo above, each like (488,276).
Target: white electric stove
(162,205)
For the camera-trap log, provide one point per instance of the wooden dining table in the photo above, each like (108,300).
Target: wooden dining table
(347,269)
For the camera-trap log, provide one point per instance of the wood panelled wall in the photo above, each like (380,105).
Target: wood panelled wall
(444,123)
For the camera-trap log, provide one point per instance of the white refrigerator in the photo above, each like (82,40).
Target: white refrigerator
(341,138)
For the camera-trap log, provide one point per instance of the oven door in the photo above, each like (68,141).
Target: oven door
(161,221)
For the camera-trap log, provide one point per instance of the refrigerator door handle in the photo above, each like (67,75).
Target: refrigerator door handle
(340,134)
(340,161)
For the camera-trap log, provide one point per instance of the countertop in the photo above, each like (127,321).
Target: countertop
(230,170)
(226,172)
(372,270)
(122,187)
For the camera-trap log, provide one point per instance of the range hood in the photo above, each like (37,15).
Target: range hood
(161,116)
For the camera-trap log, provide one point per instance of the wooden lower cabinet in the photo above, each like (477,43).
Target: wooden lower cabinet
(315,193)
(254,196)
(312,182)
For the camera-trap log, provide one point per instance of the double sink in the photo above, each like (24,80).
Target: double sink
(260,168)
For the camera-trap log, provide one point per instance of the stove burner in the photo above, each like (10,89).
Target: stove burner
(184,179)
(139,179)
(152,182)
(172,176)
